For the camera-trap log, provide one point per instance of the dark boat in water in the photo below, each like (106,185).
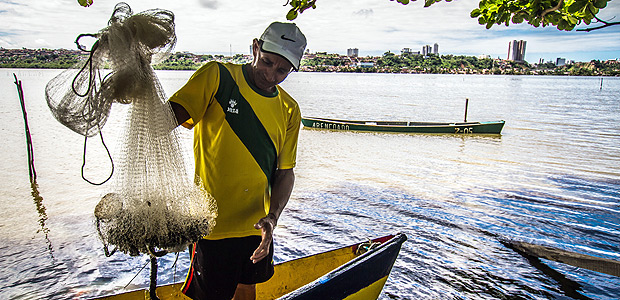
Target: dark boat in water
(491,127)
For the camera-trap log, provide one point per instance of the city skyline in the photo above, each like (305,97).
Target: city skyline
(374,27)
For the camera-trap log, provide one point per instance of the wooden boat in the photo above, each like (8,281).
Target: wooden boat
(493,127)
(534,252)
(357,271)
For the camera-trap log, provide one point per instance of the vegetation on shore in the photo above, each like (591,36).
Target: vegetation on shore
(456,64)
(323,62)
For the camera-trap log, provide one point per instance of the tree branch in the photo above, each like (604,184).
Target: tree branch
(548,10)
(605,23)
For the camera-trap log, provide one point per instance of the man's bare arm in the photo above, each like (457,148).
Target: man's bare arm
(280,194)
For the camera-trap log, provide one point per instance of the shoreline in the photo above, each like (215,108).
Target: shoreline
(356,72)
(389,63)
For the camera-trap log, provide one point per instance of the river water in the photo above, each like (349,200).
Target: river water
(551,178)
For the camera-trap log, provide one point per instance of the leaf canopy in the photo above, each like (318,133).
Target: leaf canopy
(562,14)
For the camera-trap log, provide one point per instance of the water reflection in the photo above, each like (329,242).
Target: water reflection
(38,202)
(551,178)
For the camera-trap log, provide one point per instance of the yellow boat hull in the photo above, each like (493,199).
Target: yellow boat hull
(344,273)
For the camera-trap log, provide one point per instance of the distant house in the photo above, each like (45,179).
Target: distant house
(366,64)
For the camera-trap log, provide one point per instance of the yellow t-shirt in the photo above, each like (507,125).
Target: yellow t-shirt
(241,135)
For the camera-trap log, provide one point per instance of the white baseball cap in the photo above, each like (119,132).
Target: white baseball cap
(286,40)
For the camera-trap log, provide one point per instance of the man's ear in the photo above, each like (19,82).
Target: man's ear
(255,47)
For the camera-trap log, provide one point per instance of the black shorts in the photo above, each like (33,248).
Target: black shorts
(219,265)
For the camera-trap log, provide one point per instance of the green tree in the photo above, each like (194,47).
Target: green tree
(562,14)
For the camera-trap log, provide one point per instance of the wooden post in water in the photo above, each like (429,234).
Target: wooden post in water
(600,89)
(31,170)
(597,264)
(466,104)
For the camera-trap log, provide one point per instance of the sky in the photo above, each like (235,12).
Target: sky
(373,26)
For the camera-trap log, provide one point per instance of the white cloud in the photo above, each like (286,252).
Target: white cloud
(42,43)
(212,4)
(6,42)
(365,12)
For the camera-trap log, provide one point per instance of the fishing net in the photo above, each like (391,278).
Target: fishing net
(154,206)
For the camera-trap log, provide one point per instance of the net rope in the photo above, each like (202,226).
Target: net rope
(154,206)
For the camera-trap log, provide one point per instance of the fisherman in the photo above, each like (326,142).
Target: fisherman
(245,142)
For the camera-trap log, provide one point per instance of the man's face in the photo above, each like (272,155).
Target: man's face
(268,69)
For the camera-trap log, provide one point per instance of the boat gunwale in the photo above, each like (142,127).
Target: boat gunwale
(398,238)
(402,124)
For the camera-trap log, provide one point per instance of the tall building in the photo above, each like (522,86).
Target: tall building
(426,50)
(353,52)
(516,50)
(436,49)
(560,61)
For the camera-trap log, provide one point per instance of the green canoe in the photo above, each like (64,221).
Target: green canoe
(492,127)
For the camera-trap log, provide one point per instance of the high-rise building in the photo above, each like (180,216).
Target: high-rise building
(353,52)
(560,61)
(516,50)
(436,49)
(426,50)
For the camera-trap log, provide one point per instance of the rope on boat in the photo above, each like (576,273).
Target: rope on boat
(367,246)
(134,277)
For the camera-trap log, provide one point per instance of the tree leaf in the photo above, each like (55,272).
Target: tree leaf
(85,3)
(517,19)
(600,3)
(292,15)
(562,24)
(577,6)
(572,20)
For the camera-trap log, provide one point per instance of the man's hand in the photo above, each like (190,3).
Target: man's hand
(266,225)
(280,193)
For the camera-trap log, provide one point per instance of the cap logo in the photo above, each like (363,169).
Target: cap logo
(287,39)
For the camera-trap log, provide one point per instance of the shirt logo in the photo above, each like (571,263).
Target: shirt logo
(231,107)
(287,39)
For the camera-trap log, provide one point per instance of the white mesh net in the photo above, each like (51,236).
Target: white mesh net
(154,206)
